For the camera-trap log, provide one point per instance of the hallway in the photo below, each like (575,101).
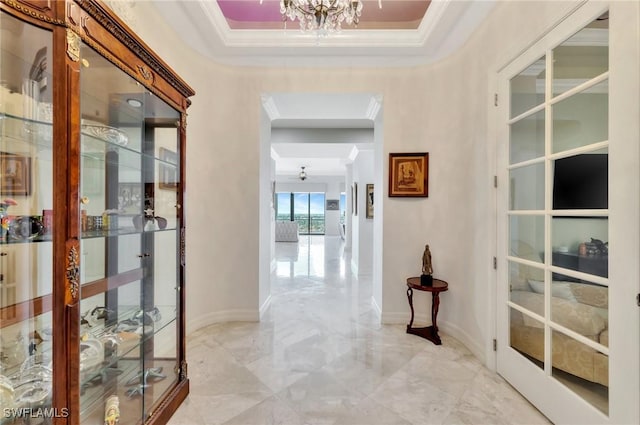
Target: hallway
(319,356)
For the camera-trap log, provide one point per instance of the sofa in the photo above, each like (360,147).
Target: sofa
(581,307)
(286,231)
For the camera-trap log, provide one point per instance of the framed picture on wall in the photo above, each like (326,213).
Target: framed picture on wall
(354,198)
(369,213)
(408,174)
(168,170)
(333,204)
(130,198)
(15,174)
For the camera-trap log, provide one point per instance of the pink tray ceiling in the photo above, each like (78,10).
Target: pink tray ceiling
(395,14)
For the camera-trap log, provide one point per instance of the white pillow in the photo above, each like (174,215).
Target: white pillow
(558,289)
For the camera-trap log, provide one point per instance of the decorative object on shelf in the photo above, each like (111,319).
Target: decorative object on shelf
(112,410)
(12,353)
(91,356)
(4,218)
(142,378)
(144,316)
(408,174)
(15,174)
(91,318)
(106,133)
(33,394)
(6,392)
(47,221)
(148,220)
(25,227)
(426,278)
(168,170)
(32,385)
(137,390)
(596,248)
(110,219)
(323,16)
(369,212)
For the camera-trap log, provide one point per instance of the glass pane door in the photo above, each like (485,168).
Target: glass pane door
(26,218)
(557,227)
(130,176)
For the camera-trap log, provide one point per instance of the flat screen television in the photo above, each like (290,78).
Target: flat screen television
(581,182)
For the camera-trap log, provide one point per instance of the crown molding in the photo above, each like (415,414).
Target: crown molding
(270,107)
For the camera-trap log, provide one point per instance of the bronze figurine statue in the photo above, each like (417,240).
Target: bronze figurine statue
(426,279)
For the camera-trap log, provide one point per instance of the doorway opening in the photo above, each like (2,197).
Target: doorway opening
(337,140)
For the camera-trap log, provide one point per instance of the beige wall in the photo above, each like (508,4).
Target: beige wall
(441,108)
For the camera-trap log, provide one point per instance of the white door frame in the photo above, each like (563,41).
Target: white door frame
(546,393)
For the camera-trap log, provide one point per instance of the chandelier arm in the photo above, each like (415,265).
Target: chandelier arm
(306,12)
(331,10)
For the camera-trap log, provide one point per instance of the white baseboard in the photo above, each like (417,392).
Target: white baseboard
(222,316)
(462,336)
(376,308)
(354,268)
(400,318)
(265,306)
(443,326)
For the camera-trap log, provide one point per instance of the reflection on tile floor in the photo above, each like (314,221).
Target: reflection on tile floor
(320,357)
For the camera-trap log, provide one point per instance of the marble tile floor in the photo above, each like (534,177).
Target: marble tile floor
(321,357)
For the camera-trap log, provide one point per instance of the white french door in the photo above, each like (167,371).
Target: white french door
(569,218)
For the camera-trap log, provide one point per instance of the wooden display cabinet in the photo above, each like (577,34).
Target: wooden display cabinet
(92,145)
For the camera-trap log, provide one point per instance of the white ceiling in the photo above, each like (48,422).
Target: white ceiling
(201,25)
(445,27)
(322,132)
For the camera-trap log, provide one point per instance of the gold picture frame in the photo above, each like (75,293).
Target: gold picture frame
(168,169)
(15,174)
(369,213)
(409,174)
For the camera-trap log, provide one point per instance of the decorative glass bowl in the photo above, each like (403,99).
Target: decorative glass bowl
(106,133)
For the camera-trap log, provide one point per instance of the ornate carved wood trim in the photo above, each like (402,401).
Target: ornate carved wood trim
(73,270)
(183,370)
(33,13)
(118,30)
(73,45)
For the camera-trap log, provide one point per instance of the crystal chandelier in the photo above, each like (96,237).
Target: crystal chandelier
(324,16)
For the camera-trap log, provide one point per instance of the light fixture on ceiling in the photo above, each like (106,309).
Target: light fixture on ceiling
(134,103)
(323,16)
(303,175)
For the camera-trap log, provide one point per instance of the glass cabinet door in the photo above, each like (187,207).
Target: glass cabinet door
(26,217)
(129,244)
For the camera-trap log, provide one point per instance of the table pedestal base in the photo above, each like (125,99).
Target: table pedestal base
(428,332)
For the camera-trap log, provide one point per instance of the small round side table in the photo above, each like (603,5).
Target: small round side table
(429,332)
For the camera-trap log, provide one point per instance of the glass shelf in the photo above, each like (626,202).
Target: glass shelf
(123,231)
(18,134)
(100,332)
